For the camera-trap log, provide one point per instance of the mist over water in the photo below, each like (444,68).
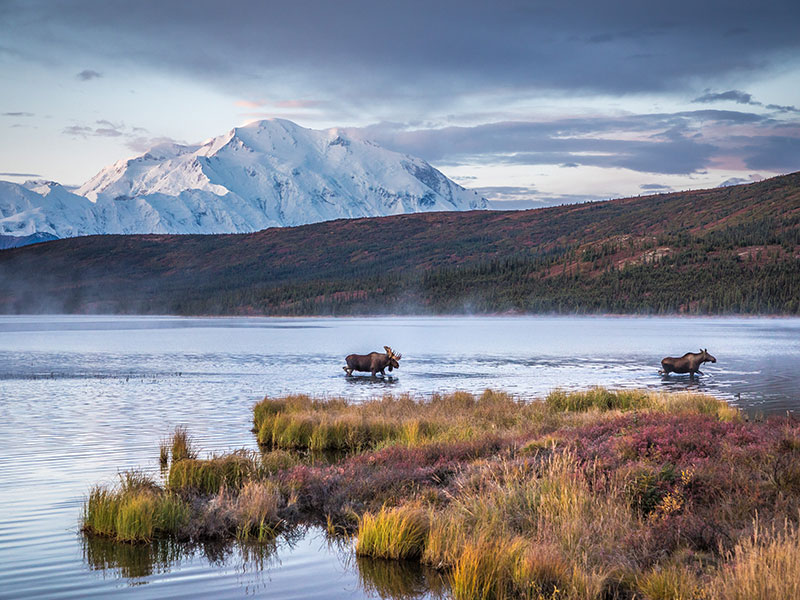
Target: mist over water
(82,398)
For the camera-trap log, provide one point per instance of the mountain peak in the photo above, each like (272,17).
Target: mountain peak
(267,173)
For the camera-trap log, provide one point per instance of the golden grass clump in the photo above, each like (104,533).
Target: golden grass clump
(763,566)
(301,423)
(397,533)
(598,398)
(671,582)
(182,445)
(207,476)
(588,495)
(257,511)
(135,511)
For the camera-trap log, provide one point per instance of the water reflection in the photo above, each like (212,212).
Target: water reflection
(138,561)
(83,398)
(399,579)
(377,381)
(256,563)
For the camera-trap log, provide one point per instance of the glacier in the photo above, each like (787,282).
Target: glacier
(270,173)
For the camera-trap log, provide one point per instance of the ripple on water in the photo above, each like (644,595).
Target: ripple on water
(83,398)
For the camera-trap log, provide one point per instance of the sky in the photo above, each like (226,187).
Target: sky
(531,103)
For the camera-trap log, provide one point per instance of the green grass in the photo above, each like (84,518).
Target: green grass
(396,533)
(208,476)
(134,512)
(599,398)
(182,445)
(583,495)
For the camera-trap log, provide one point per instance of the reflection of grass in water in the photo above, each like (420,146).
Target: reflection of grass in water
(399,579)
(132,560)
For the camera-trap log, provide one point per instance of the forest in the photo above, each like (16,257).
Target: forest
(733,250)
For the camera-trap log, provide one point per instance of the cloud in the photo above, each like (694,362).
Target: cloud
(133,136)
(678,143)
(88,75)
(523,198)
(655,187)
(299,103)
(18,114)
(364,54)
(250,103)
(20,175)
(772,153)
(734,95)
(781,108)
(143,143)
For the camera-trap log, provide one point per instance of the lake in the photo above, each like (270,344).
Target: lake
(82,398)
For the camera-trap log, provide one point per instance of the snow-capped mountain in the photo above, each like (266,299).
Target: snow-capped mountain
(265,174)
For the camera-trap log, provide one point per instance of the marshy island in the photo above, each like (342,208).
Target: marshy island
(596,494)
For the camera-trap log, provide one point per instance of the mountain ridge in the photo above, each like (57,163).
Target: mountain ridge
(269,173)
(733,249)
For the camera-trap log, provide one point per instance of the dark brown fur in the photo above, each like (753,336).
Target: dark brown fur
(374,362)
(688,363)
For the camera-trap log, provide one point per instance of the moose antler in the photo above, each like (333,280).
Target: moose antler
(398,356)
(391,353)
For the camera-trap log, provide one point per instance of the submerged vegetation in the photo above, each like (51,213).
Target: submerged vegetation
(596,494)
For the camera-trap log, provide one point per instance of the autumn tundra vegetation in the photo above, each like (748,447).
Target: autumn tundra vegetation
(594,494)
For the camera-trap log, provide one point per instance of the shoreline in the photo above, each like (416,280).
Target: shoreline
(491,492)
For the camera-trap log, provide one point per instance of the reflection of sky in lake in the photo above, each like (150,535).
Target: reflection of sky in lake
(84,397)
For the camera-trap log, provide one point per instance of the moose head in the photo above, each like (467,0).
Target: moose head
(706,357)
(393,358)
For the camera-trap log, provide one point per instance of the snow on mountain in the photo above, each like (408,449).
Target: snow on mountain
(265,174)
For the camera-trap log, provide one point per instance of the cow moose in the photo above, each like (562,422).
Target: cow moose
(688,363)
(374,362)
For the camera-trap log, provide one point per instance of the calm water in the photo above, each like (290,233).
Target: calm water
(82,398)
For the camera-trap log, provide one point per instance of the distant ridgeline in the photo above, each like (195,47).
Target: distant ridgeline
(727,250)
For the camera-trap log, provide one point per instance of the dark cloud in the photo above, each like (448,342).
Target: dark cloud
(417,51)
(733,95)
(742,98)
(655,187)
(88,75)
(773,153)
(668,143)
(781,108)
(18,114)
(20,175)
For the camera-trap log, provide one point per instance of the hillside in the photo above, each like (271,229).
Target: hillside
(727,250)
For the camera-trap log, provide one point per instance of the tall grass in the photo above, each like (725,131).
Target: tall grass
(134,511)
(589,495)
(207,476)
(182,445)
(397,533)
(599,398)
(257,508)
(763,566)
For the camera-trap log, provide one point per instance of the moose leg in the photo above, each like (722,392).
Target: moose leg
(383,373)
(348,371)
(699,372)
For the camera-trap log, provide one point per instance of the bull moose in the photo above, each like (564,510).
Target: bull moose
(688,363)
(375,362)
